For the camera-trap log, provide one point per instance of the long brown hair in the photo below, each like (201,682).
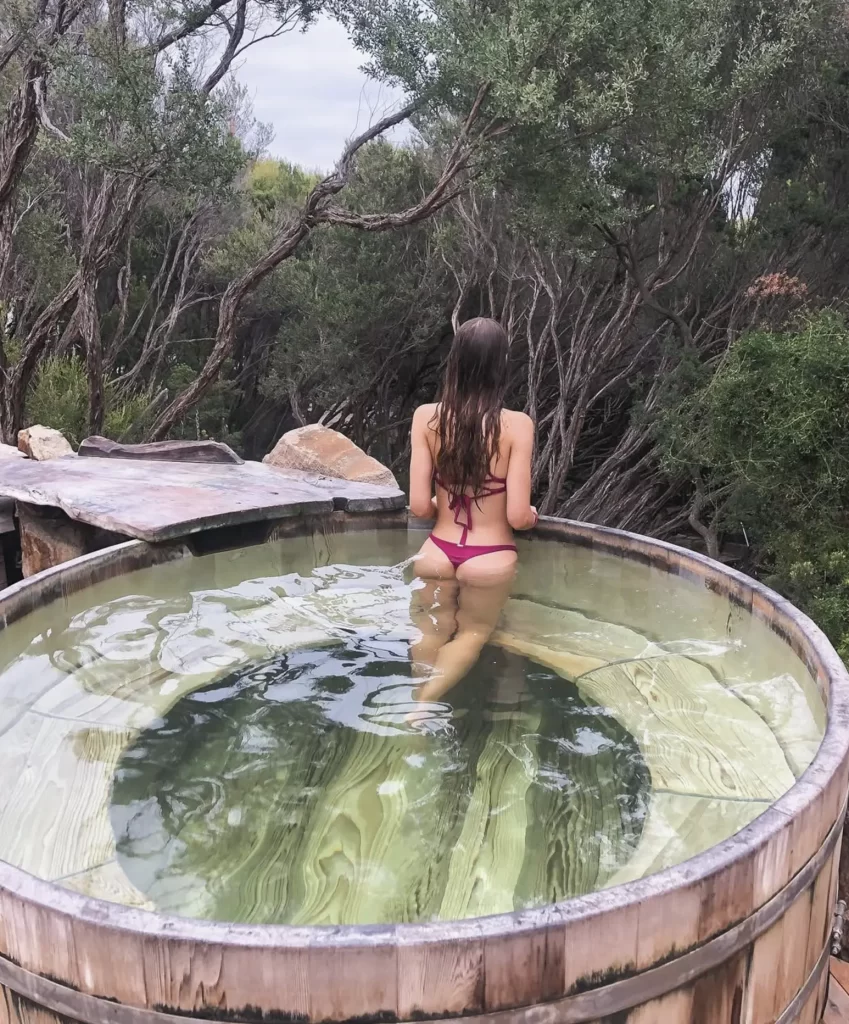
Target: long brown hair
(468,419)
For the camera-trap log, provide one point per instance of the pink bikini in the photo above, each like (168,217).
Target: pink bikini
(461,504)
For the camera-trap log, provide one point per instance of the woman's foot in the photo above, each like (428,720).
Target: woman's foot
(429,718)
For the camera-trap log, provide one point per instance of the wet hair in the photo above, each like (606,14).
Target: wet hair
(468,417)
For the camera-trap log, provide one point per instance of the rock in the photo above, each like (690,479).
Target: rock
(42,443)
(161,451)
(48,538)
(8,452)
(318,449)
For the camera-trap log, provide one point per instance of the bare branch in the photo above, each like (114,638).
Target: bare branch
(315,211)
(439,195)
(282,29)
(625,251)
(43,116)
(337,181)
(196,20)
(10,48)
(19,131)
(236,32)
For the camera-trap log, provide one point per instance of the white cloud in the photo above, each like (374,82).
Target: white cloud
(310,89)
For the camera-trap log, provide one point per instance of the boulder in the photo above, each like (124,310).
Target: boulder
(161,451)
(42,443)
(318,449)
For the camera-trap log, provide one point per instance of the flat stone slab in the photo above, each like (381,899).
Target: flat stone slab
(161,451)
(158,501)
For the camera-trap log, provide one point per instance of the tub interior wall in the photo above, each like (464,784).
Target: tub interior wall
(669,608)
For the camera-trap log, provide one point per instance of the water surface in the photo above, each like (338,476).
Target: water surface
(227,737)
(293,792)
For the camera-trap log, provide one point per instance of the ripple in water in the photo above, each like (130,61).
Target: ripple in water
(293,791)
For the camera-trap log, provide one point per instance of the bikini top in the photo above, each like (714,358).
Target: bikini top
(461,504)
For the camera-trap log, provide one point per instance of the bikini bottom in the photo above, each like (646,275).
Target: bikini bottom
(457,554)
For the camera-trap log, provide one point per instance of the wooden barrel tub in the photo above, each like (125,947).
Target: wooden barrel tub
(739,933)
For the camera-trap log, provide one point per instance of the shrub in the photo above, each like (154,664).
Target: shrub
(766,437)
(59,399)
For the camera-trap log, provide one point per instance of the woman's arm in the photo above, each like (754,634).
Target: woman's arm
(422,503)
(521,515)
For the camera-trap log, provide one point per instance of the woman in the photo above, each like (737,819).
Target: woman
(477,456)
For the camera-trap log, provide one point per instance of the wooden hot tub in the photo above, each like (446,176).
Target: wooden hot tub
(739,933)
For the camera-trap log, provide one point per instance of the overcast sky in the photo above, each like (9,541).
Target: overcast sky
(310,89)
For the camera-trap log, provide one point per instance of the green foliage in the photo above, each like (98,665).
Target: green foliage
(818,581)
(350,294)
(604,99)
(133,115)
(774,420)
(767,435)
(42,242)
(273,185)
(59,399)
(211,418)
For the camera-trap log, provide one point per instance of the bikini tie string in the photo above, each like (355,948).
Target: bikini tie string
(461,504)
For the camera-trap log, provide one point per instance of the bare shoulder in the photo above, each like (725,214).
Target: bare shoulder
(518,424)
(423,418)
(424,414)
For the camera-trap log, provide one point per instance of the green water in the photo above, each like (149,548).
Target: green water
(293,792)
(228,736)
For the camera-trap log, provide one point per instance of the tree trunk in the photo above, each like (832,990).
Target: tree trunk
(90,328)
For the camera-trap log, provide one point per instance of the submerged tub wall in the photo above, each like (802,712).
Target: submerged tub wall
(737,934)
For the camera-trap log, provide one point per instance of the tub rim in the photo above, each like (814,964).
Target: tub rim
(809,642)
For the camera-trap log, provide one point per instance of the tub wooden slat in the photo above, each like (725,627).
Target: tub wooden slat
(823,899)
(352,983)
(15,1010)
(448,975)
(517,971)
(594,950)
(675,1008)
(790,968)
(763,980)
(724,901)
(718,997)
(668,922)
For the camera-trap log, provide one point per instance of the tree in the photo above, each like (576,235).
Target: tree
(319,209)
(626,145)
(132,112)
(361,342)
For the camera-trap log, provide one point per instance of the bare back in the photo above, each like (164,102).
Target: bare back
(494,515)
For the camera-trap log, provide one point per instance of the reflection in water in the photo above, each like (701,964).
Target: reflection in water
(455,620)
(293,791)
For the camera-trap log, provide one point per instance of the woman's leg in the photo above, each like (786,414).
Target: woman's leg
(433,608)
(485,584)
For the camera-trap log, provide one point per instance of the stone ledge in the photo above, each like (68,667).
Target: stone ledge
(169,500)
